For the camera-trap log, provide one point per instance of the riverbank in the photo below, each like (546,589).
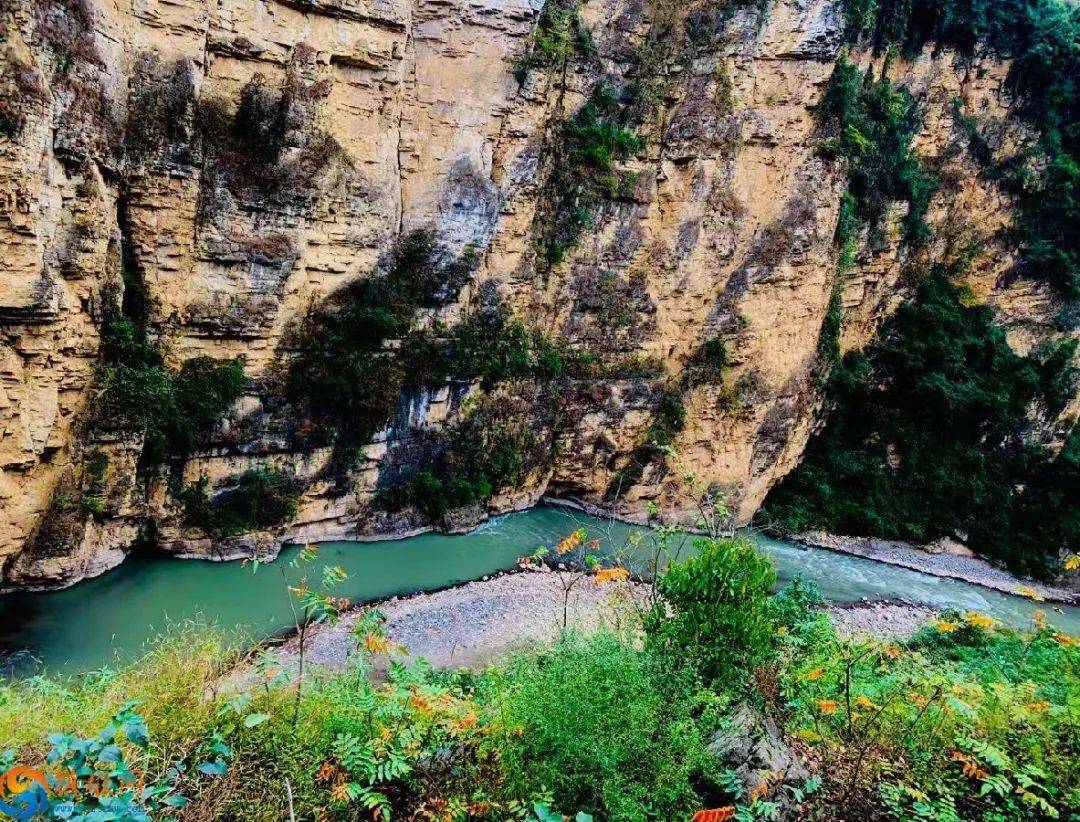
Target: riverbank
(473,624)
(945,559)
(962,566)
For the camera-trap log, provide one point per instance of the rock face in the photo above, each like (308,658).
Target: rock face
(406,114)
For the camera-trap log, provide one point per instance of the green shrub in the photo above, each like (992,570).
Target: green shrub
(969,719)
(258,499)
(492,347)
(714,614)
(606,728)
(487,450)
(138,393)
(1039,36)
(655,442)
(560,36)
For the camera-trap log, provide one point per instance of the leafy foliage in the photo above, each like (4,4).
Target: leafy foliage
(589,145)
(559,36)
(927,439)
(487,450)
(713,614)
(603,726)
(138,393)
(969,721)
(875,123)
(258,499)
(343,374)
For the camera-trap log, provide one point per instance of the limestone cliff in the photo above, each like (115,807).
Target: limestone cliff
(408,114)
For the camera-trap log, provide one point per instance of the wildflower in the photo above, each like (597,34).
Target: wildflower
(606,575)
(827,706)
(978,620)
(814,675)
(947,626)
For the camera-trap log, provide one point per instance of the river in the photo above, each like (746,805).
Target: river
(107,620)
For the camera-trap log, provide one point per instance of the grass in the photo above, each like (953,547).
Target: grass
(171,682)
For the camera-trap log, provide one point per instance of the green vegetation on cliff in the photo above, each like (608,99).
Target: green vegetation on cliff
(172,410)
(1042,38)
(929,438)
(344,375)
(257,499)
(873,124)
(584,175)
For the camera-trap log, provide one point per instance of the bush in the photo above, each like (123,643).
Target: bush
(258,499)
(486,451)
(969,721)
(607,729)
(138,393)
(655,442)
(714,615)
(1039,36)
(559,36)
(493,347)
(343,375)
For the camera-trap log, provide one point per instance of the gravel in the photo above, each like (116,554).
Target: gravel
(473,624)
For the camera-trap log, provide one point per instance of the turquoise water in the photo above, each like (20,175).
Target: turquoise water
(107,620)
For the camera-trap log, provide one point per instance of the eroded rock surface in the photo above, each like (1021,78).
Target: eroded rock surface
(405,114)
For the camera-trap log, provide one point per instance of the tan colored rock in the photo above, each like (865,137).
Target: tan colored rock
(728,232)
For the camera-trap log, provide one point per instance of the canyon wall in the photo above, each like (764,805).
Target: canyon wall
(414,114)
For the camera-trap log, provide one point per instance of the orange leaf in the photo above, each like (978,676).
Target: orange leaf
(606,575)
(715,815)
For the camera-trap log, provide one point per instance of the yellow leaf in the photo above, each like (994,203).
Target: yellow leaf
(1029,592)
(606,575)
(980,620)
